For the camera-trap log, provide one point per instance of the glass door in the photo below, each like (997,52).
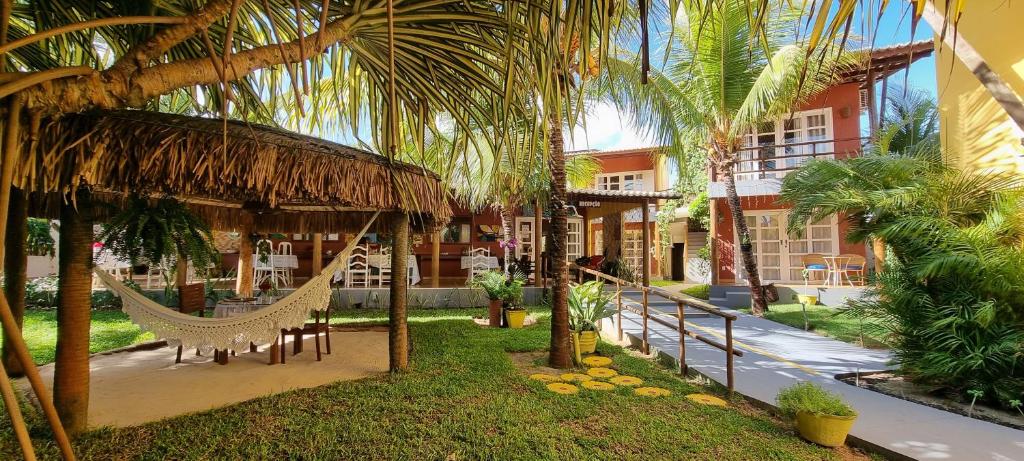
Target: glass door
(524,234)
(633,249)
(574,239)
(817,238)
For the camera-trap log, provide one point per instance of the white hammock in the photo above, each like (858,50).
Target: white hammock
(261,326)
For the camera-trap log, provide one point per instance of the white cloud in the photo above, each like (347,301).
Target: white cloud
(605,129)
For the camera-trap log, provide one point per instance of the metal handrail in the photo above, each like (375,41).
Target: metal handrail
(681,303)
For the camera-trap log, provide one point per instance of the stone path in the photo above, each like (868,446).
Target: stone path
(777,355)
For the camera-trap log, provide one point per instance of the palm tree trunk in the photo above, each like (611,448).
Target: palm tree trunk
(996,86)
(71,373)
(558,231)
(507,231)
(758,305)
(15,265)
(398,326)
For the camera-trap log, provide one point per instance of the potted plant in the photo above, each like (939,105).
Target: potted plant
(588,304)
(512,302)
(493,284)
(821,416)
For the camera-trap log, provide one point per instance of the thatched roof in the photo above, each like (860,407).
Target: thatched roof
(278,180)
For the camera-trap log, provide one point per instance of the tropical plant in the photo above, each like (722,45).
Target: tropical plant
(588,304)
(512,296)
(809,397)
(951,294)
(492,282)
(718,84)
(156,231)
(40,242)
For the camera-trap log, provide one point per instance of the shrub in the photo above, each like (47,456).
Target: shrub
(702,291)
(40,242)
(809,397)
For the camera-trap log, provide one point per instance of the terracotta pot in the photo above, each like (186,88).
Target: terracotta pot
(494,313)
(825,430)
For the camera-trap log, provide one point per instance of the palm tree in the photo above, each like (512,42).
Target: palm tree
(718,84)
(951,292)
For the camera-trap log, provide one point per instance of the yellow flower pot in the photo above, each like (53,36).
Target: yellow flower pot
(825,430)
(588,342)
(809,300)
(516,318)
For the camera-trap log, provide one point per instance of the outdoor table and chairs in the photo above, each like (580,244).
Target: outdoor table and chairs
(274,267)
(236,306)
(479,261)
(834,270)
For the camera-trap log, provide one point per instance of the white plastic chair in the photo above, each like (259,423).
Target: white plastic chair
(284,273)
(263,266)
(479,262)
(358,269)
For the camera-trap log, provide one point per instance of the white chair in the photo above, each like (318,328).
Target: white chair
(263,264)
(385,273)
(482,251)
(479,262)
(284,273)
(358,269)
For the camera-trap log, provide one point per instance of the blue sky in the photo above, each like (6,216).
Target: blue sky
(606,130)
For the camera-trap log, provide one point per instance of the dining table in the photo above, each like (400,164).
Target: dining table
(378,261)
(837,270)
(230,307)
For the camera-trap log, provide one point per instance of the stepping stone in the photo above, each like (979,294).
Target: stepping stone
(626,381)
(575,377)
(707,400)
(651,392)
(598,386)
(563,388)
(599,372)
(597,361)
(545,377)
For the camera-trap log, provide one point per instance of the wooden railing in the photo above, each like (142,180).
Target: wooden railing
(680,325)
(776,163)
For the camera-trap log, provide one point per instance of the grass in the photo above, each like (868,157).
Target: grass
(698,291)
(110,329)
(462,399)
(827,321)
(664,283)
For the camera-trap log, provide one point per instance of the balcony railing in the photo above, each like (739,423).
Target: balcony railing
(775,161)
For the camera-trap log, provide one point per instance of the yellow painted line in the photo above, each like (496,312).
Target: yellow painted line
(757,350)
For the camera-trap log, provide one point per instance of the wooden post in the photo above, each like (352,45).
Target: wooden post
(646,344)
(618,306)
(398,328)
(243,284)
(646,250)
(586,232)
(538,223)
(15,266)
(435,260)
(713,241)
(318,254)
(872,108)
(681,317)
(728,355)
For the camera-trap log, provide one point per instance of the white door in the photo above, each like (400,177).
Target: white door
(524,234)
(778,255)
(574,239)
(633,249)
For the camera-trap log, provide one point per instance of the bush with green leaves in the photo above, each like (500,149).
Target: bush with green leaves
(702,291)
(40,242)
(951,295)
(492,282)
(809,397)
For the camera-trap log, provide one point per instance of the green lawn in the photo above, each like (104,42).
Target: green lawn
(827,321)
(463,399)
(664,283)
(110,329)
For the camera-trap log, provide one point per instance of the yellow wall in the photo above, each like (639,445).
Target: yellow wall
(976,132)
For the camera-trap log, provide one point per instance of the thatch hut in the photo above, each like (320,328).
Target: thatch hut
(236,176)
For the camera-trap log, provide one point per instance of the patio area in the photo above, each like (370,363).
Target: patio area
(142,386)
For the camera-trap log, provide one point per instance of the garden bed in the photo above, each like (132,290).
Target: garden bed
(892,384)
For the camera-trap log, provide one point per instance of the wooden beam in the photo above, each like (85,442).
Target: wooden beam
(318,254)
(585,228)
(435,259)
(398,328)
(872,108)
(646,250)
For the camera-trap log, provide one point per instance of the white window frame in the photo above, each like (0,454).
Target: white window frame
(638,180)
(749,160)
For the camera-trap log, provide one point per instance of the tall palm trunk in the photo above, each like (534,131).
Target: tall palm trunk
(561,356)
(71,372)
(398,324)
(15,262)
(507,231)
(759,305)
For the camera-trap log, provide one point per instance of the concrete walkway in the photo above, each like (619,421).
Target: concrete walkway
(777,355)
